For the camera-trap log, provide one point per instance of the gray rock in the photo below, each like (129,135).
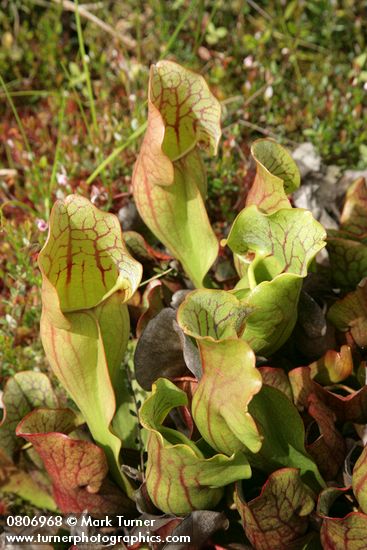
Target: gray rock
(307,159)
(129,217)
(350,176)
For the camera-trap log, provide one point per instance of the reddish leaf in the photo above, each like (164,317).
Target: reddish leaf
(359,480)
(329,496)
(279,516)
(162,526)
(329,448)
(152,303)
(189,386)
(303,386)
(350,408)
(276,378)
(349,533)
(354,216)
(340,533)
(140,249)
(78,469)
(351,313)
(333,367)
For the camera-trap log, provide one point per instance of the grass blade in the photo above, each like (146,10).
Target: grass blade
(138,132)
(86,69)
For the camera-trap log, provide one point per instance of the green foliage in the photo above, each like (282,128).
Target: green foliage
(20,349)
(213,417)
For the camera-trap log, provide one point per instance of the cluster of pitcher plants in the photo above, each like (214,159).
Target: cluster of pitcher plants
(247,402)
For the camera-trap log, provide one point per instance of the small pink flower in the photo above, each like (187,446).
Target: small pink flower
(41,224)
(248,61)
(61,178)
